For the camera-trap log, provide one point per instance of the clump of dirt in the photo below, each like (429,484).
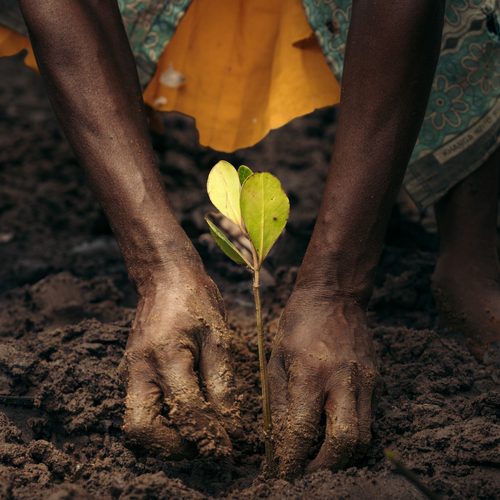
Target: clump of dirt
(66,309)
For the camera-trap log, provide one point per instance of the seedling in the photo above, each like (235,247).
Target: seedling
(257,204)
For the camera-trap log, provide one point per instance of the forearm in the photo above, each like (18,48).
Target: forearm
(391,55)
(87,66)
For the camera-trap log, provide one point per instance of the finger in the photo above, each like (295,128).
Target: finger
(341,431)
(278,393)
(364,411)
(305,405)
(193,417)
(143,422)
(377,394)
(218,378)
(366,407)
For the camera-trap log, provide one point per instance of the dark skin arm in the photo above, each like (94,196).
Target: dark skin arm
(323,357)
(89,71)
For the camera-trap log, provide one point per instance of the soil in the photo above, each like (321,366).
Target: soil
(66,308)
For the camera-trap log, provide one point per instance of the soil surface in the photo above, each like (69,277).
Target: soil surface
(66,308)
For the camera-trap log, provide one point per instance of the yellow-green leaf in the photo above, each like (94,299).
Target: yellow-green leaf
(265,209)
(226,246)
(223,188)
(243,173)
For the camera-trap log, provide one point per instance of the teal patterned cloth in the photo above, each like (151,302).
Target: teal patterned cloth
(150,24)
(461,125)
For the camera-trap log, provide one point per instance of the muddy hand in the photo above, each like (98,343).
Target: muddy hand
(180,323)
(180,328)
(322,361)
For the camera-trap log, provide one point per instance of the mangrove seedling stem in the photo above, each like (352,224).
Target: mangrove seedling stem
(266,400)
(257,204)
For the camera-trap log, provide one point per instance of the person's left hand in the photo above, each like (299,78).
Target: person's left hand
(323,360)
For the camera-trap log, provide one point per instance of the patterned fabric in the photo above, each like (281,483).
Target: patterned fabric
(150,24)
(462,122)
(330,21)
(461,126)
(11,17)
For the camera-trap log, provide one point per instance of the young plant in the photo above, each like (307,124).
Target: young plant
(257,204)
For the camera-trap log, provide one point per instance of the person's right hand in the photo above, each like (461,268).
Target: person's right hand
(323,360)
(181,327)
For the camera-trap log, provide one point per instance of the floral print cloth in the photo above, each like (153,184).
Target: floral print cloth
(462,121)
(461,125)
(150,24)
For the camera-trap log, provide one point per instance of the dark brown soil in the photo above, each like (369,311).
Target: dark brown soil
(66,308)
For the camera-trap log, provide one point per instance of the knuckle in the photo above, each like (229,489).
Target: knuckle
(347,436)
(275,370)
(302,432)
(172,353)
(277,389)
(370,384)
(365,436)
(308,374)
(134,368)
(135,424)
(217,335)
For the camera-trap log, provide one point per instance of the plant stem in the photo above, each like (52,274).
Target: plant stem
(266,400)
(411,476)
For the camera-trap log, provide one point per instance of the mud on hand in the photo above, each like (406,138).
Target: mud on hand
(322,361)
(174,333)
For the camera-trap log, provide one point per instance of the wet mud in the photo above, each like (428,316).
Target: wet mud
(66,309)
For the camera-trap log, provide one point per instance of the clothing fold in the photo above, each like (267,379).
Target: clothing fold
(244,67)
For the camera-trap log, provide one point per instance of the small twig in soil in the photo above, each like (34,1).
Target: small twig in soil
(411,476)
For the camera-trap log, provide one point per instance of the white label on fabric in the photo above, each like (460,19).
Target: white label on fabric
(464,140)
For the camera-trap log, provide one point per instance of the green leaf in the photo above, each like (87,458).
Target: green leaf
(243,173)
(265,209)
(223,188)
(227,247)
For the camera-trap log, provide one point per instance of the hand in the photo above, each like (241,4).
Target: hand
(181,326)
(323,360)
